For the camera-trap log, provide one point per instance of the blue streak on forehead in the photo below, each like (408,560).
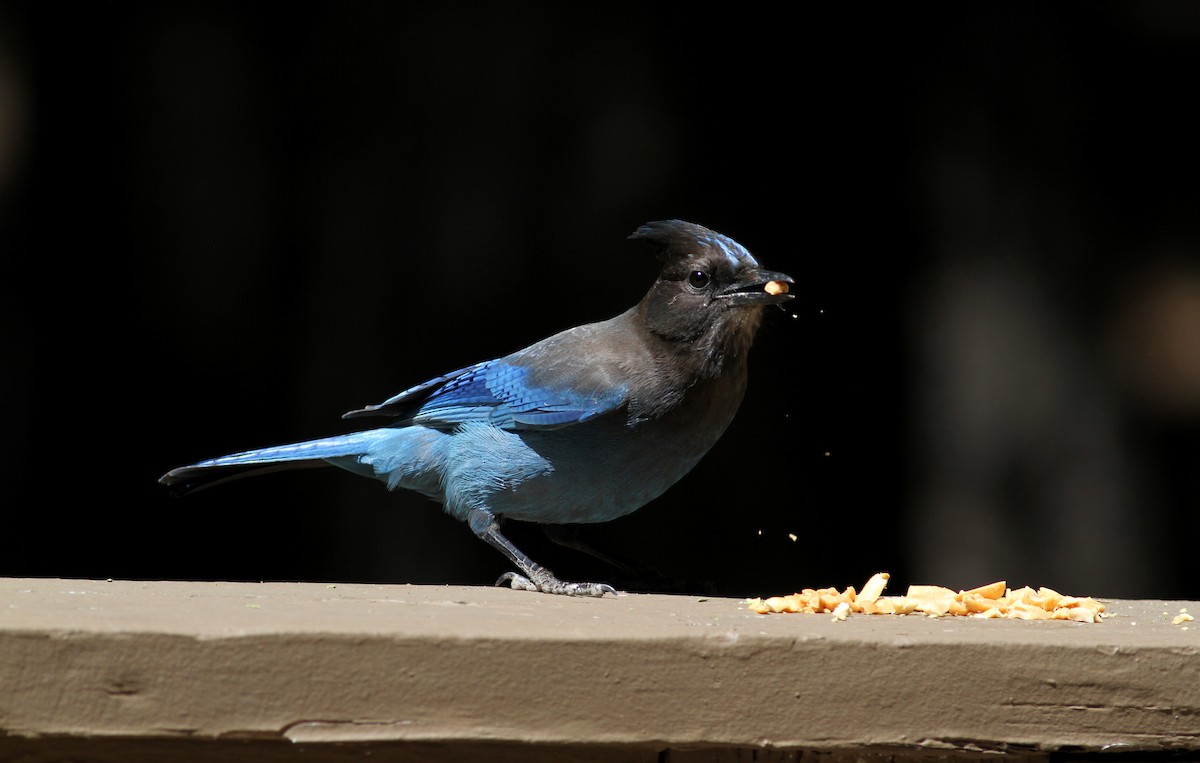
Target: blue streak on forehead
(734,253)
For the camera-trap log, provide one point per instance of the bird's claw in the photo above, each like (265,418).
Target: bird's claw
(543,580)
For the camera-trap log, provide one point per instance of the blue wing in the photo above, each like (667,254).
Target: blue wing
(501,393)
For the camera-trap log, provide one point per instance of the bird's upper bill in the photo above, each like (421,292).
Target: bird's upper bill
(758,286)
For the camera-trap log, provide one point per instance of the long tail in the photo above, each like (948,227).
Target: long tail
(342,450)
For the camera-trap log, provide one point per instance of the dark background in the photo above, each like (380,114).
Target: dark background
(223,225)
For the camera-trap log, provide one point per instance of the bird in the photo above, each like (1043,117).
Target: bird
(585,426)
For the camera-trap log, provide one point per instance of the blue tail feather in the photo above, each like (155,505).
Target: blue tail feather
(353,444)
(341,450)
(400,456)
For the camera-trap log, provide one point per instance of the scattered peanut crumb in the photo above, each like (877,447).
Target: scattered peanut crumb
(776,287)
(1182,617)
(995,600)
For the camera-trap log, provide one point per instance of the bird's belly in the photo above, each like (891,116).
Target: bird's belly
(605,471)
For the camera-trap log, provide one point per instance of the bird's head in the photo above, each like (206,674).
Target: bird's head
(710,291)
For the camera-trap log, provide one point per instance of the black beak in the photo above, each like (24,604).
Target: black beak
(759,287)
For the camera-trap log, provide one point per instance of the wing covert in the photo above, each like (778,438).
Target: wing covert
(500,393)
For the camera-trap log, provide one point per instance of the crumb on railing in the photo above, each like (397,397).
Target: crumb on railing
(995,600)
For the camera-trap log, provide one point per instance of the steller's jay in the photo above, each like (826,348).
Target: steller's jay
(585,426)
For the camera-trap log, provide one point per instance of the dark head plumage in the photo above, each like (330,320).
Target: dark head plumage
(679,239)
(710,290)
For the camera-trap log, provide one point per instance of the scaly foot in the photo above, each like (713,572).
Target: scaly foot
(543,580)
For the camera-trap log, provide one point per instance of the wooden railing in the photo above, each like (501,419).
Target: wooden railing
(126,670)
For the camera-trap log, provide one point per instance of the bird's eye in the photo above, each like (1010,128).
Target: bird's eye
(698,279)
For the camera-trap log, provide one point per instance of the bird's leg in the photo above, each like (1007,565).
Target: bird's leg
(535,577)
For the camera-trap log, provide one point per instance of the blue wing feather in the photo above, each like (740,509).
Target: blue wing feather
(403,403)
(498,392)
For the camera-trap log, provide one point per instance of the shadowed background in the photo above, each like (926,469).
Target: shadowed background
(224,225)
